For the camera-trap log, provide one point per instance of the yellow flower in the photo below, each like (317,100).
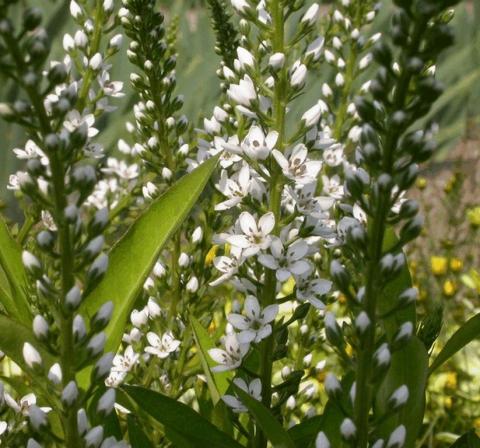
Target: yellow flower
(476,423)
(447,402)
(439,265)
(211,254)
(456,265)
(451,381)
(349,350)
(449,288)
(473,216)
(212,327)
(421,183)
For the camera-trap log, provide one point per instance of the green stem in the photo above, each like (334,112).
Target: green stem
(376,232)
(276,186)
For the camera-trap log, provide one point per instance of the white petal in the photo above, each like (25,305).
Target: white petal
(281,160)
(263,333)
(252,307)
(271,139)
(247,223)
(238,321)
(269,313)
(267,223)
(247,336)
(218,355)
(268,261)
(300,267)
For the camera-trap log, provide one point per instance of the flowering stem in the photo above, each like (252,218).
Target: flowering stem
(270,286)
(94,47)
(377,228)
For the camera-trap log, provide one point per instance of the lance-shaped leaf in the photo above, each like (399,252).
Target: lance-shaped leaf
(181,419)
(271,427)
(217,382)
(13,277)
(468,440)
(469,331)
(133,257)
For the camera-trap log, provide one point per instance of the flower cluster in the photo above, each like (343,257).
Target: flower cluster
(65,257)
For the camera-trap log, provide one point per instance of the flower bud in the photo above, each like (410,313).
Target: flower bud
(102,367)
(82,422)
(40,327)
(31,356)
(106,402)
(96,344)
(348,429)
(37,417)
(333,386)
(73,298)
(70,394)
(31,263)
(55,374)
(79,328)
(398,398)
(94,437)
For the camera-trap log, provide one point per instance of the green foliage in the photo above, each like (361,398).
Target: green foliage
(271,427)
(463,336)
(13,294)
(181,419)
(133,257)
(217,382)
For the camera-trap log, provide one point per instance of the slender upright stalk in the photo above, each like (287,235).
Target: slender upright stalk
(376,233)
(276,185)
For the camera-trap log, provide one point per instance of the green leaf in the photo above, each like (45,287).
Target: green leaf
(133,257)
(270,426)
(181,419)
(468,440)
(306,431)
(11,262)
(136,436)
(218,382)
(410,367)
(469,331)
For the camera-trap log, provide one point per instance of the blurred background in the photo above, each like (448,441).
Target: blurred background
(444,262)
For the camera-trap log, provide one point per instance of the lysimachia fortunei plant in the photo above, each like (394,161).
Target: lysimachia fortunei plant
(137,323)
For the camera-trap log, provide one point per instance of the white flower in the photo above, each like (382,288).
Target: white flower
(255,237)
(244,92)
(255,145)
(23,404)
(332,186)
(234,190)
(310,289)
(75,120)
(308,204)
(228,266)
(124,363)
(254,389)
(31,151)
(287,262)
(161,347)
(255,325)
(75,9)
(298,167)
(3,427)
(231,357)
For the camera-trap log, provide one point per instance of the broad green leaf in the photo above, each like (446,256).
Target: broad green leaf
(468,440)
(217,382)
(306,431)
(133,257)
(469,331)
(271,427)
(11,263)
(136,436)
(409,367)
(180,418)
